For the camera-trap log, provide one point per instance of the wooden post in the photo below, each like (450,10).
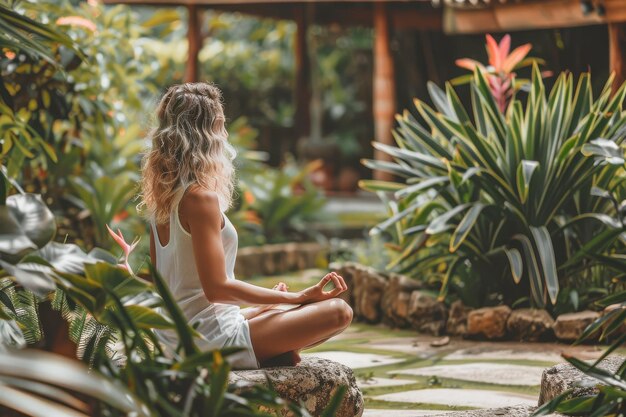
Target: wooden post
(194,41)
(384,85)
(303,75)
(617,53)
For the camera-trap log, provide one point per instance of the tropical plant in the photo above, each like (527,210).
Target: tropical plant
(609,398)
(521,194)
(112,314)
(278,205)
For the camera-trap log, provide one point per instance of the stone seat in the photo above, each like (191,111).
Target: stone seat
(312,382)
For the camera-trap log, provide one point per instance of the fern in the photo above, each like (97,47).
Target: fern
(92,338)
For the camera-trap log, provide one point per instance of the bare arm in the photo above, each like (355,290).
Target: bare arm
(200,212)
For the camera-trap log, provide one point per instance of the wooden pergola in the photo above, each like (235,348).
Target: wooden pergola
(452,16)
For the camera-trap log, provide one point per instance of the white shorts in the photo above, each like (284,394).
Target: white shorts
(246,358)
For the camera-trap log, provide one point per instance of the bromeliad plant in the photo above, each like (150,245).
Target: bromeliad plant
(528,194)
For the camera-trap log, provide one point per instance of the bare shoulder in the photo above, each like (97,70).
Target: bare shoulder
(200,204)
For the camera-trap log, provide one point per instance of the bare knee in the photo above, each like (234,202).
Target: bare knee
(342,313)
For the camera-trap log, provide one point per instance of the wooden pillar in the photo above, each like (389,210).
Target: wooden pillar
(303,74)
(384,85)
(194,41)
(617,53)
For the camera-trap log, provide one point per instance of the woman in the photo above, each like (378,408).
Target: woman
(187,185)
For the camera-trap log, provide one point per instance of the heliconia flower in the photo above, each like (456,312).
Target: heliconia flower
(126,248)
(77,21)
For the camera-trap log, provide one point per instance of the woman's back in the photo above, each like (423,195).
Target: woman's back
(176,263)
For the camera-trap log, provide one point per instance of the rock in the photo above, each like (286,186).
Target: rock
(489,322)
(457,319)
(279,258)
(564,376)
(368,286)
(249,261)
(347,271)
(528,324)
(426,314)
(312,382)
(569,327)
(395,300)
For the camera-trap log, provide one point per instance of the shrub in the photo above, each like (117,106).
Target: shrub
(529,194)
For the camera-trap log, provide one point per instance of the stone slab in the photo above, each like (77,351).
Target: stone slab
(461,398)
(504,354)
(354,360)
(403,413)
(520,411)
(382,382)
(491,373)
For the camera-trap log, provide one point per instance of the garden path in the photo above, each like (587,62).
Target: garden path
(402,375)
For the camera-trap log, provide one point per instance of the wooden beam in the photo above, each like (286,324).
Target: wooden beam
(617,53)
(403,14)
(194,42)
(303,75)
(547,14)
(384,85)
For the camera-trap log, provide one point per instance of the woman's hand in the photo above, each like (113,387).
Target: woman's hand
(316,293)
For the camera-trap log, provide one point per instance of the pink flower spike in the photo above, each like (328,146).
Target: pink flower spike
(119,239)
(504,47)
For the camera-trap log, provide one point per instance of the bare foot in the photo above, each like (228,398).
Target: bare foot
(291,358)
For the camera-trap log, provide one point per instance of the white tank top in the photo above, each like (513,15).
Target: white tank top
(176,263)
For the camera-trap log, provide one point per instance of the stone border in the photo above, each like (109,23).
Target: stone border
(279,258)
(402,302)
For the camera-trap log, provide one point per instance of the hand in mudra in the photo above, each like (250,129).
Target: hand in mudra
(317,293)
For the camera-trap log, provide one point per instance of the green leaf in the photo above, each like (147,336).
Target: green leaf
(147,318)
(333,405)
(536,283)
(525,172)
(543,242)
(30,278)
(440,223)
(71,375)
(516,263)
(465,226)
(34,217)
(605,151)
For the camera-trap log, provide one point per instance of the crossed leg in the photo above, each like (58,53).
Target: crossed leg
(276,332)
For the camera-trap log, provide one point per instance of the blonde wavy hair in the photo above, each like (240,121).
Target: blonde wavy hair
(188,145)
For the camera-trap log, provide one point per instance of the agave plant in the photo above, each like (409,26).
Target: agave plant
(523,188)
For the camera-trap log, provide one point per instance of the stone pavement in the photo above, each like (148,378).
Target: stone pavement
(402,375)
